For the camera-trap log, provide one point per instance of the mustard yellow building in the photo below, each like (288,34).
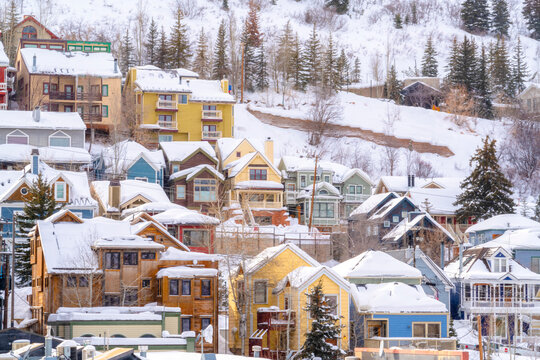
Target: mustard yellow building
(174,105)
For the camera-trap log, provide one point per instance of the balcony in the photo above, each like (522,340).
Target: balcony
(355,197)
(89,96)
(169,105)
(212,115)
(211,135)
(3,106)
(60,95)
(168,125)
(3,86)
(87,117)
(275,319)
(290,197)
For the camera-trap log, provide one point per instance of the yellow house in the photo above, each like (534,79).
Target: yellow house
(252,183)
(174,105)
(250,290)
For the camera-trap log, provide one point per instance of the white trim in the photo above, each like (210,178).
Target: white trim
(141,178)
(64,198)
(18,133)
(56,134)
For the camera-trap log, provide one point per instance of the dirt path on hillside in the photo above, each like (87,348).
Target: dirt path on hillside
(337,131)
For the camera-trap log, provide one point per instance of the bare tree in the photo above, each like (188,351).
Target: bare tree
(390,160)
(324,111)
(362,235)
(460,104)
(141,23)
(421,168)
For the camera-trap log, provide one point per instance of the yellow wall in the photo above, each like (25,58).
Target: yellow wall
(258,160)
(243,148)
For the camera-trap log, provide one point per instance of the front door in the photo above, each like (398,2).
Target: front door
(68,89)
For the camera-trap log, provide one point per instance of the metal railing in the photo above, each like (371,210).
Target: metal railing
(415,342)
(212,115)
(166,104)
(211,135)
(91,96)
(167,124)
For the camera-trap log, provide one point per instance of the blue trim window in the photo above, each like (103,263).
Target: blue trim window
(165,138)
(182,99)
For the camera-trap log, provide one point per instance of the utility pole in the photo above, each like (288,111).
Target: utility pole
(313,194)
(5,274)
(242,77)
(480,348)
(13,229)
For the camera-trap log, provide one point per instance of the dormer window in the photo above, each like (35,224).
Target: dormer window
(500,265)
(323,192)
(29,32)
(60,191)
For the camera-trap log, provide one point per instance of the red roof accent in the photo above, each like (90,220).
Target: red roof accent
(33,19)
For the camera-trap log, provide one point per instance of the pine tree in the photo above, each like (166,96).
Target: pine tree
(179,47)
(221,61)
(126,53)
(341,6)
(414,12)
(225,5)
(356,73)
(342,70)
(323,327)
(519,69)
(330,75)
(537,210)
(39,204)
(312,57)
(531,13)
(429,60)
(482,87)
(284,54)
(486,192)
(398,24)
(161,52)
(393,86)
(500,18)
(475,16)
(452,65)
(201,63)
(261,71)
(297,66)
(8,37)
(252,39)
(466,64)
(500,70)
(151,44)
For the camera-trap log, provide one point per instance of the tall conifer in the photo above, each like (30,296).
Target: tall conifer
(429,60)
(179,47)
(221,60)
(500,18)
(151,44)
(201,63)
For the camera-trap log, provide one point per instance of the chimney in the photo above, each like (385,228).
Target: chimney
(412,180)
(180,80)
(269,149)
(114,194)
(35,161)
(36,114)
(115,66)
(34,63)
(225,85)
(187,82)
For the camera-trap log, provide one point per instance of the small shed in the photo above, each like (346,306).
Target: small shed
(421,94)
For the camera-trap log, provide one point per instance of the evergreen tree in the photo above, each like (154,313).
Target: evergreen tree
(531,13)
(393,86)
(341,6)
(486,191)
(500,18)
(537,210)
(252,39)
(126,53)
(356,73)
(414,13)
(330,75)
(482,87)
(500,70)
(429,60)
(39,204)
(466,64)
(323,327)
(475,16)
(179,51)
(452,65)
(407,19)
(284,63)
(151,44)
(519,69)
(261,71)
(297,66)
(312,57)
(201,63)
(342,70)
(225,5)
(161,52)
(221,61)
(398,24)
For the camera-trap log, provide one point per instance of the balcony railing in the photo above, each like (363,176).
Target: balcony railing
(265,204)
(3,86)
(61,95)
(498,304)
(355,197)
(167,124)
(212,115)
(211,135)
(87,117)
(276,319)
(3,106)
(166,104)
(89,96)
(290,197)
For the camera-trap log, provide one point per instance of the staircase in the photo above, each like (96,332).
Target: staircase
(248,214)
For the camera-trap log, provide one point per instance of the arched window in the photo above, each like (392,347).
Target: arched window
(59,138)
(87,335)
(148,336)
(323,192)
(29,32)
(118,336)
(17,137)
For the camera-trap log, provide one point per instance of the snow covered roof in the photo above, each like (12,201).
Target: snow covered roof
(439,201)
(4,60)
(268,254)
(406,225)
(259,184)
(376,264)
(190,173)
(129,189)
(503,222)
(179,255)
(153,79)
(304,275)
(524,239)
(70,63)
(118,158)
(181,150)
(127,241)
(112,313)
(399,183)
(183,272)
(394,297)
(152,207)
(21,153)
(306,192)
(386,208)
(184,217)
(371,203)
(18,119)
(235,167)
(226,146)
(209,91)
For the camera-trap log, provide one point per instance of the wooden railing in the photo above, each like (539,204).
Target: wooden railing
(91,117)
(61,95)
(89,96)
(212,115)
(211,135)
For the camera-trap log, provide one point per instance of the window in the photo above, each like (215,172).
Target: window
(105,90)
(205,190)
(105,110)
(186,324)
(331,301)
(131,258)
(165,97)
(182,99)
(535,264)
(386,224)
(80,110)
(323,210)
(257,174)
(356,189)
(148,256)
(146,283)
(130,297)
(80,89)
(186,287)
(209,107)
(83,281)
(263,220)
(60,191)
(165,138)
(196,238)
(29,32)
(204,323)
(260,292)
(173,287)
(206,287)
(303,181)
(404,214)
(112,260)
(72,281)
(395,218)
(111,300)
(24,191)
(323,192)
(45,88)
(17,137)
(175,168)
(499,265)
(430,330)
(180,191)
(60,138)
(238,154)
(165,119)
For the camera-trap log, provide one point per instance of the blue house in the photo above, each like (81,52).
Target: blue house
(132,161)
(495,226)
(389,302)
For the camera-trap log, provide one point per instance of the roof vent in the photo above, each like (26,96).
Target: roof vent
(34,63)
(115,66)
(36,114)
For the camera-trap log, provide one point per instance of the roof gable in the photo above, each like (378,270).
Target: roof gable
(269,254)
(30,18)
